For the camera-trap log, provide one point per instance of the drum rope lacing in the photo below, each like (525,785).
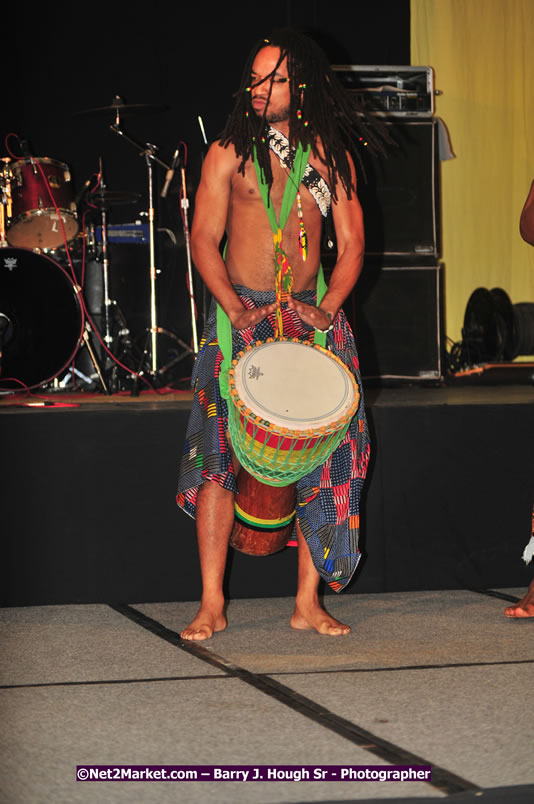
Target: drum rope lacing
(277,455)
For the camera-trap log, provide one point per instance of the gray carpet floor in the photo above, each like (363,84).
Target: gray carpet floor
(435,678)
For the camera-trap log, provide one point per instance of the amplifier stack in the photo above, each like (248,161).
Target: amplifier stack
(396,308)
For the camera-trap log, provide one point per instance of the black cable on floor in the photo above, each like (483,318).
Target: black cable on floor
(445,781)
(493,593)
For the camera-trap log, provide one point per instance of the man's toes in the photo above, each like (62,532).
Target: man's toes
(518,613)
(196,633)
(336,629)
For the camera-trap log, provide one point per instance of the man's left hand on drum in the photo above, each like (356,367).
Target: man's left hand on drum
(244,318)
(311,315)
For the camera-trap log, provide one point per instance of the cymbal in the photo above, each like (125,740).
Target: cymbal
(109,198)
(124,109)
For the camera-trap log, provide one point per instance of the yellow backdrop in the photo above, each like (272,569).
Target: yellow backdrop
(482,52)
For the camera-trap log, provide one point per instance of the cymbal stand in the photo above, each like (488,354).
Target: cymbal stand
(85,340)
(152,258)
(185,207)
(149,153)
(85,336)
(105,270)
(186,349)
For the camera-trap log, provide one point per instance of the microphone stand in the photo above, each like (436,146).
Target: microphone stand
(187,349)
(149,152)
(185,207)
(105,268)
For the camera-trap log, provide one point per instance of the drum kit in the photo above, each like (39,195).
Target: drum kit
(45,318)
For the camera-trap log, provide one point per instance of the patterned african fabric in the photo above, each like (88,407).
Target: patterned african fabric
(328,498)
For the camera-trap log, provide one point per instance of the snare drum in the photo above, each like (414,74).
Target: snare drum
(35,222)
(291,403)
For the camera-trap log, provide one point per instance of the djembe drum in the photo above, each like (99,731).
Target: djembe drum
(291,403)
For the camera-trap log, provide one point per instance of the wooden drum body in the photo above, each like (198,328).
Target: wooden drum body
(264,516)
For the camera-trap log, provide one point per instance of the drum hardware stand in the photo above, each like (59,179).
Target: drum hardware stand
(185,207)
(149,153)
(111,312)
(105,265)
(5,200)
(186,349)
(185,353)
(59,385)
(87,341)
(204,290)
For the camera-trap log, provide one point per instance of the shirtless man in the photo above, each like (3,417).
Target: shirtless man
(228,201)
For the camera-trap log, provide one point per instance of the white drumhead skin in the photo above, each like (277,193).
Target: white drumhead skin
(294,385)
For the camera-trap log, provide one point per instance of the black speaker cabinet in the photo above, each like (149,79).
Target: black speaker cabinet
(400,193)
(396,316)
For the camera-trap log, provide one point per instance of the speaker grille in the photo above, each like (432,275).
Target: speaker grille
(395,313)
(400,194)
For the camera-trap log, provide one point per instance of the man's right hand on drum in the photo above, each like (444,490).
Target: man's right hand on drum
(311,315)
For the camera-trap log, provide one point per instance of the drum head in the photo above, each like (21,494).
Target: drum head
(294,385)
(45,319)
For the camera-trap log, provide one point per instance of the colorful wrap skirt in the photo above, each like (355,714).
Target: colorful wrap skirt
(328,498)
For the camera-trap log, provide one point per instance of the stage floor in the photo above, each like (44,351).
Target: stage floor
(437,679)
(403,395)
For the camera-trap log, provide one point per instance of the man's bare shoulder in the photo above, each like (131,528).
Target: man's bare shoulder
(221,159)
(319,161)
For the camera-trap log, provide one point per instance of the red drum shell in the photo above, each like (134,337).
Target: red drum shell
(35,222)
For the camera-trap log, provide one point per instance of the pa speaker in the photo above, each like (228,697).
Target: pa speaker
(396,315)
(400,192)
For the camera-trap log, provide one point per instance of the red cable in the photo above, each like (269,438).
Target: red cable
(12,134)
(85,311)
(83,305)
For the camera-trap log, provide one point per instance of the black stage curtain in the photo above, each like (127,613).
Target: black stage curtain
(89,510)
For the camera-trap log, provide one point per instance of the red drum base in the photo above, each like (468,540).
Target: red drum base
(264,516)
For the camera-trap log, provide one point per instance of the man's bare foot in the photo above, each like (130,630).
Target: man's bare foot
(312,616)
(205,624)
(523,609)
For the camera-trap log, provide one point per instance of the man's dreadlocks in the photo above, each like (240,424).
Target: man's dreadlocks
(321,110)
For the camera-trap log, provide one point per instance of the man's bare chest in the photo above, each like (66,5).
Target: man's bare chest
(246,190)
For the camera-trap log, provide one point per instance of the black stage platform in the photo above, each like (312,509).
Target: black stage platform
(89,514)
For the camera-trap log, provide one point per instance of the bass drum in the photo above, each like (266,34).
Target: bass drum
(44,318)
